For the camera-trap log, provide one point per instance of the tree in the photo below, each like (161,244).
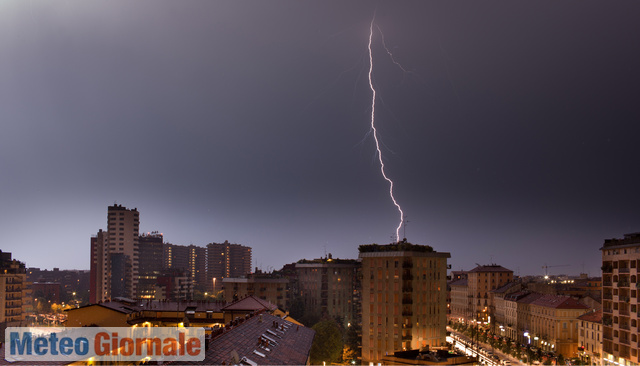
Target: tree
(352,343)
(327,344)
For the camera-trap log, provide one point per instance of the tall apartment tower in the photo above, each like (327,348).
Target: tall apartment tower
(226,260)
(115,256)
(620,305)
(150,264)
(190,258)
(13,280)
(404,298)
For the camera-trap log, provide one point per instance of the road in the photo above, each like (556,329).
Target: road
(464,343)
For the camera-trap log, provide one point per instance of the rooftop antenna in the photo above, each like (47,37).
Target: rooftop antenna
(404,232)
(325,250)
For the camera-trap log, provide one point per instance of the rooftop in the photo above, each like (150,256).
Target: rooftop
(402,246)
(490,268)
(559,302)
(250,303)
(593,316)
(633,238)
(262,339)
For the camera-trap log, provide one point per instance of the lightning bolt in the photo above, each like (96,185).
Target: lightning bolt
(375,131)
(389,52)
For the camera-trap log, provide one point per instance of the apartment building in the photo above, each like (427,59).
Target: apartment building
(403,298)
(226,260)
(460,305)
(190,258)
(273,289)
(151,263)
(481,280)
(115,256)
(620,306)
(590,337)
(329,287)
(14,296)
(554,324)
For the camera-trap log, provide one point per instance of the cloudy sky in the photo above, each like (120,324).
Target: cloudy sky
(511,136)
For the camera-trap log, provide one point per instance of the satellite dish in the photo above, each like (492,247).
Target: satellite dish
(235,357)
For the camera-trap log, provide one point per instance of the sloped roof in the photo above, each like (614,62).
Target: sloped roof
(490,268)
(559,302)
(286,344)
(505,287)
(462,282)
(250,303)
(593,317)
(525,297)
(111,305)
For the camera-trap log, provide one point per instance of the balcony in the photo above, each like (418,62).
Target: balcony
(607,296)
(625,326)
(609,311)
(407,313)
(623,270)
(407,301)
(607,283)
(624,312)
(407,337)
(407,326)
(624,341)
(407,265)
(407,289)
(623,284)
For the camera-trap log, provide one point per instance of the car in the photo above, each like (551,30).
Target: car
(506,363)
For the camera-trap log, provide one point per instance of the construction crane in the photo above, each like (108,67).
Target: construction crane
(546,269)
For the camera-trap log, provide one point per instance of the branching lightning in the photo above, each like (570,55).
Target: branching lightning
(389,52)
(375,131)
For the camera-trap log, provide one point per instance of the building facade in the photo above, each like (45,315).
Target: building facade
(270,288)
(151,263)
(226,260)
(189,258)
(327,287)
(590,337)
(14,299)
(554,324)
(115,256)
(403,298)
(620,305)
(481,281)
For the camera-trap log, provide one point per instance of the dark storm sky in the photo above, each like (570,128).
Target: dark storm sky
(512,140)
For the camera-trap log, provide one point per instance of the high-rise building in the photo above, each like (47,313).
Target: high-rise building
(404,298)
(190,258)
(13,277)
(327,287)
(115,256)
(620,305)
(150,263)
(226,260)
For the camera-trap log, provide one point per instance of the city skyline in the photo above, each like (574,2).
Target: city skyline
(510,139)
